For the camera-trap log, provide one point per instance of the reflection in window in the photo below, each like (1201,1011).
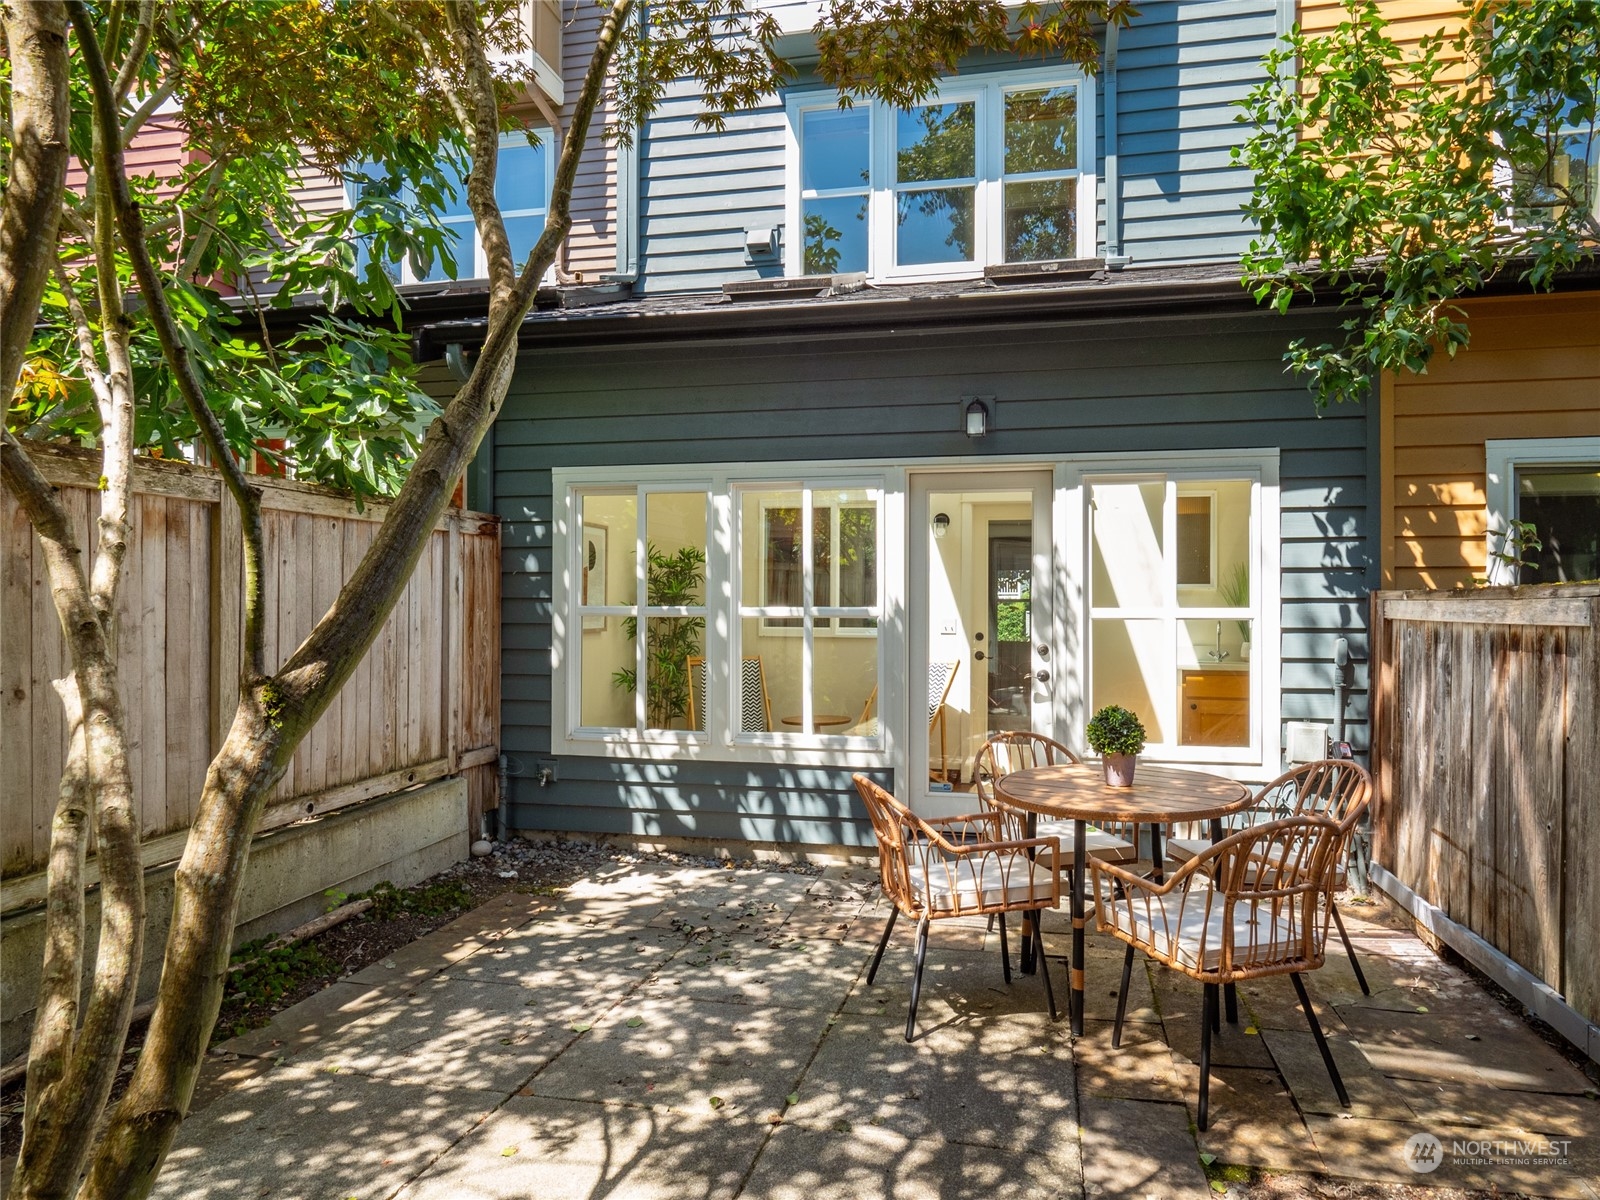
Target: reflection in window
(835,181)
(1041,168)
(936,143)
(1563,506)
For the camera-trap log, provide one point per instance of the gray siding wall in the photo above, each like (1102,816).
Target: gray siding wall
(1182,69)
(1179,384)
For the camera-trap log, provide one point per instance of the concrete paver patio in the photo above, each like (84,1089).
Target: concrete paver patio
(673,1032)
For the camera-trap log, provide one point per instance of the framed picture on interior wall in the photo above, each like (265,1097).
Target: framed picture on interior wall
(592,587)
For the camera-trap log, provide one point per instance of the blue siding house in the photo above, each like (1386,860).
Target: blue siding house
(901,428)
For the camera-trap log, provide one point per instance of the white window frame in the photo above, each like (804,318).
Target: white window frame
(988,91)
(721,741)
(1503,457)
(831,629)
(480,262)
(1073,480)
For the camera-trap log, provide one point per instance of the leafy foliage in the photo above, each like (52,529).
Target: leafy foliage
(1115,730)
(1400,183)
(675,579)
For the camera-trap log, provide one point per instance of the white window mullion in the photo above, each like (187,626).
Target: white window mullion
(808,602)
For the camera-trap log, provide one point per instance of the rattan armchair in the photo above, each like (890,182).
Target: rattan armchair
(1004,753)
(1253,905)
(1336,788)
(932,869)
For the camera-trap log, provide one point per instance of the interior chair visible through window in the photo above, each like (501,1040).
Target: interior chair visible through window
(755,706)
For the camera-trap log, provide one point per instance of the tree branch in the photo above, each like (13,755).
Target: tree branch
(131,223)
(129,73)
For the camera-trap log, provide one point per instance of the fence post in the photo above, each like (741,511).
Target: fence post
(227,615)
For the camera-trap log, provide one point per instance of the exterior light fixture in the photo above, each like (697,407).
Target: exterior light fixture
(941,524)
(977,420)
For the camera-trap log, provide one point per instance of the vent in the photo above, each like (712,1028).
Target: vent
(802,287)
(1058,270)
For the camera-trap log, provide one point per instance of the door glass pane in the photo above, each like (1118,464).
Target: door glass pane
(1129,665)
(1041,220)
(1041,130)
(605,576)
(1214,683)
(934,226)
(1563,504)
(1126,565)
(836,234)
(936,142)
(980,605)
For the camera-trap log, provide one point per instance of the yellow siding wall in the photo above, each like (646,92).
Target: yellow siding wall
(1532,371)
(1408,19)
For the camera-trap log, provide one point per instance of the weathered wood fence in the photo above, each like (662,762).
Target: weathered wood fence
(423,704)
(1486,748)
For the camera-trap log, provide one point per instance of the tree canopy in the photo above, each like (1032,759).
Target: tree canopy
(1402,180)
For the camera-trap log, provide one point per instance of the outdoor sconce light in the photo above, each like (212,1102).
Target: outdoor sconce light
(941,524)
(977,422)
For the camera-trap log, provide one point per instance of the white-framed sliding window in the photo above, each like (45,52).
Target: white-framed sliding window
(771,652)
(1552,484)
(1197,661)
(991,169)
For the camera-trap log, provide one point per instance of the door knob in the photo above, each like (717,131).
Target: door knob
(1043,676)
(977,656)
(1042,651)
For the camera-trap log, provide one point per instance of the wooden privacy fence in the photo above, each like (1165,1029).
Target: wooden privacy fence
(1485,752)
(423,704)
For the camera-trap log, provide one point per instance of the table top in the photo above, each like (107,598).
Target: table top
(820,720)
(1078,792)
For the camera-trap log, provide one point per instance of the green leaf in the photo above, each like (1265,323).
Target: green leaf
(509,1151)
(581,1026)
(1207,1159)
(792,1098)
(635,1022)
(717,1102)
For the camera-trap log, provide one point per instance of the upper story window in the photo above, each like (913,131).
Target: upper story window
(988,171)
(522,189)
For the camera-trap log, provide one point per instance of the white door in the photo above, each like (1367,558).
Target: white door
(982,654)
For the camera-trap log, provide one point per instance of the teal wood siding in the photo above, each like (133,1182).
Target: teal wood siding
(1183,68)
(1170,384)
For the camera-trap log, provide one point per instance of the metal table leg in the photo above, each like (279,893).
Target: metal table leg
(1025,953)
(1230,994)
(1080,854)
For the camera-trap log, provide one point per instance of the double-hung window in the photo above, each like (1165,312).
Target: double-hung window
(990,170)
(523,177)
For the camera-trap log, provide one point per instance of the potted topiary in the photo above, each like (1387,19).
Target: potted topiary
(1116,735)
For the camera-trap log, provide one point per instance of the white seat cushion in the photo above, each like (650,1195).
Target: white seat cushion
(980,881)
(1104,846)
(1183,849)
(1193,937)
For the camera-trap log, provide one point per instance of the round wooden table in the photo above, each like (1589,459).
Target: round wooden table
(1078,792)
(820,720)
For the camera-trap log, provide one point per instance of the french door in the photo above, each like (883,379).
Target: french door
(984,653)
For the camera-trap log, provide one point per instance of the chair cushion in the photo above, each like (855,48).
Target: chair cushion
(974,882)
(1183,849)
(1192,937)
(1104,846)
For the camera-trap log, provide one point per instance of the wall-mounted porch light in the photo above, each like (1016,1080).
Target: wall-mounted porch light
(941,524)
(977,420)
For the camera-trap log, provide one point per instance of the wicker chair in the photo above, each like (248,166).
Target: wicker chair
(1253,905)
(1335,788)
(929,871)
(941,676)
(1004,753)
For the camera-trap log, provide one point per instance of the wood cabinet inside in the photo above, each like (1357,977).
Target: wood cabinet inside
(1216,708)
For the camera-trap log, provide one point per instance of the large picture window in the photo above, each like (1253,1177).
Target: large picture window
(987,171)
(1173,604)
(765,634)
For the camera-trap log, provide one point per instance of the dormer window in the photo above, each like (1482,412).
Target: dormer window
(988,171)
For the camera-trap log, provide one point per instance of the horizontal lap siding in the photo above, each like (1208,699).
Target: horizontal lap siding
(1532,371)
(1062,390)
(1182,69)
(592,243)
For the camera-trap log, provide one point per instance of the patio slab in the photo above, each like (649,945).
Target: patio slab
(675,1032)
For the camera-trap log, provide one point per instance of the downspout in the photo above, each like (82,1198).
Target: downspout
(1115,258)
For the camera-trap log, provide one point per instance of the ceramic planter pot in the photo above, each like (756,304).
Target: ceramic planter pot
(1119,769)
